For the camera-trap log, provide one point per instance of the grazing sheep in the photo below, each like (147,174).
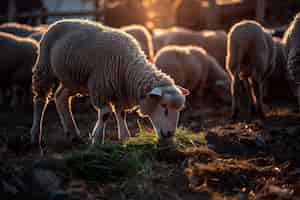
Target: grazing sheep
(193,68)
(250,57)
(214,42)
(18,57)
(108,65)
(21,30)
(292,41)
(143,36)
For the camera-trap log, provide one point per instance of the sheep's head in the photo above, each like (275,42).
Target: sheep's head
(163,105)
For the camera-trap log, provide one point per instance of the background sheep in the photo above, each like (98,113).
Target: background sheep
(194,69)
(278,85)
(142,35)
(21,30)
(190,14)
(292,41)
(109,66)
(250,57)
(125,12)
(17,59)
(214,42)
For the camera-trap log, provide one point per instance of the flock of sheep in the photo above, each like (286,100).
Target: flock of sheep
(130,67)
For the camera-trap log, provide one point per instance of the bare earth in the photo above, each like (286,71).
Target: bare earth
(254,160)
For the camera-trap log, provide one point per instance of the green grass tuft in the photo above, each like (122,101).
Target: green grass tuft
(114,162)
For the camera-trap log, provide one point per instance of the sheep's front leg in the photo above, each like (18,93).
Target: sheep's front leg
(98,134)
(123,131)
(63,100)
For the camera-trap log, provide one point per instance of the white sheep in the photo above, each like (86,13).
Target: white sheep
(108,65)
(251,57)
(193,68)
(143,36)
(214,42)
(17,59)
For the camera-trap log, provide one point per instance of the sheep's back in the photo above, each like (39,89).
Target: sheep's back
(253,45)
(20,30)
(214,42)
(183,66)
(18,57)
(76,54)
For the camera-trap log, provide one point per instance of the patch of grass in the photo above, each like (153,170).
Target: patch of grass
(114,162)
(186,138)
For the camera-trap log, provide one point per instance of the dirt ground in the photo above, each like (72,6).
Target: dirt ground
(242,160)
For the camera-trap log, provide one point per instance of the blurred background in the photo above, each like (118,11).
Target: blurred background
(193,14)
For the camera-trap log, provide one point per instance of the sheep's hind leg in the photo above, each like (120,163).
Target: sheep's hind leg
(63,101)
(252,96)
(235,82)
(123,131)
(258,88)
(98,134)
(39,107)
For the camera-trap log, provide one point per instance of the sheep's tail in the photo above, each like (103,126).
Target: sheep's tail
(43,78)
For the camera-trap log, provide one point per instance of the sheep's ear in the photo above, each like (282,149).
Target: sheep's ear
(156,92)
(184,92)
